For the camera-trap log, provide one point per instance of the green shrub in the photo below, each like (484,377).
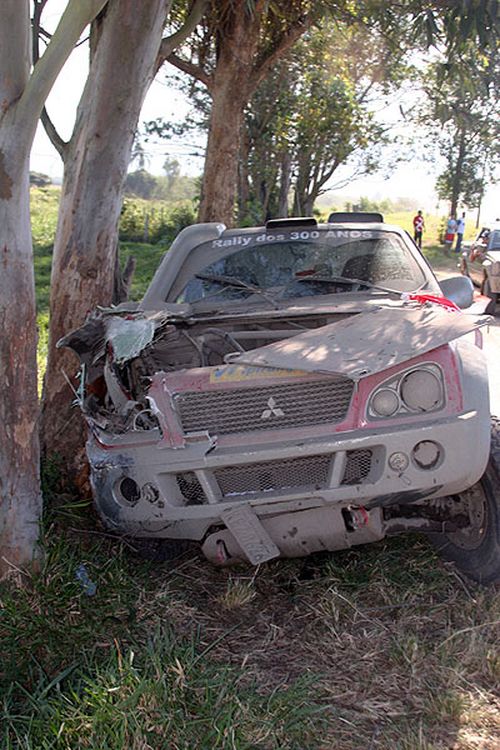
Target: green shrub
(154,221)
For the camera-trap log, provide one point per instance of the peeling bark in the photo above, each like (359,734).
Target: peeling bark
(20,498)
(6,181)
(96,164)
(231,87)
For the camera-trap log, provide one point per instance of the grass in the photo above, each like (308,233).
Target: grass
(117,670)
(381,647)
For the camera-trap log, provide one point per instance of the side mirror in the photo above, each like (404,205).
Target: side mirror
(458,289)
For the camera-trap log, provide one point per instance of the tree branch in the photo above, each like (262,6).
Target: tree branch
(59,143)
(14,52)
(54,137)
(77,15)
(190,69)
(260,6)
(170,43)
(288,39)
(37,17)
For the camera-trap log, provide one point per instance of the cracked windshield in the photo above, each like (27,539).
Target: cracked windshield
(303,264)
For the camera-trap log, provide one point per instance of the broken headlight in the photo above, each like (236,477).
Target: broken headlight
(416,391)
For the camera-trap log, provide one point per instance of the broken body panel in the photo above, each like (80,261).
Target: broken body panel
(265,423)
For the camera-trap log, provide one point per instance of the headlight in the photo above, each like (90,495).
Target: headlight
(421,390)
(414,391)
(385,402)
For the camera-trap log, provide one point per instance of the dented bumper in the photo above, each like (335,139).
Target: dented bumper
(146,490)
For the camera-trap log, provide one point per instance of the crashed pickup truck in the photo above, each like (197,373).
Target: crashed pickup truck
(292,388)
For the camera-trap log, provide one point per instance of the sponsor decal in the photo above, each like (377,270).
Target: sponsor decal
(295,236)
(239,373)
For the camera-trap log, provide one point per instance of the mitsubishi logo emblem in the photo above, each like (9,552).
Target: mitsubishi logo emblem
(272,410)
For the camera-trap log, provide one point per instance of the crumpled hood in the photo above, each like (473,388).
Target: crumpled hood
(366,343)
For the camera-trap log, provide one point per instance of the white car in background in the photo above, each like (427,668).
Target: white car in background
(481,262)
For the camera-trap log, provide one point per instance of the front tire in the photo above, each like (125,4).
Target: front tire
(475,550)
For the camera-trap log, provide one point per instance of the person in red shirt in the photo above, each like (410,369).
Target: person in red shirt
(418,228)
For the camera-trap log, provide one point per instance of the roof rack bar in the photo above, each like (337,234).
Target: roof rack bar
(359,217)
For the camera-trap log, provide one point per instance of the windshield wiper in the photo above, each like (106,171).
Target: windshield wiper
(347,280)
(237,284)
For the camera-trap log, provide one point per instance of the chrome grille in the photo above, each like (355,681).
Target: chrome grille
(273,407)
(358,466)
(305,473)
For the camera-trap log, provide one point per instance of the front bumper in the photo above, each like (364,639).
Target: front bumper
(143,488)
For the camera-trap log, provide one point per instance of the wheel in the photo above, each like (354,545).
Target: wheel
(475,549)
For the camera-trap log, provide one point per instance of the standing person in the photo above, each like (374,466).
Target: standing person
(449,237)
(460,232)
(418,228)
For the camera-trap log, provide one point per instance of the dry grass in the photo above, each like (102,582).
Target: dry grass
(382,647)
(400,651)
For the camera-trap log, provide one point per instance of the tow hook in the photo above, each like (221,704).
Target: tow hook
(355,517)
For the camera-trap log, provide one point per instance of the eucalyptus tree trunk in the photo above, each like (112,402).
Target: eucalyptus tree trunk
(305,191)
(456,180)
(244,58)
(243,177)
(22,96)
(285,182)
(220,176)
(20,498)
(125,42)
(231,88)
(300,188)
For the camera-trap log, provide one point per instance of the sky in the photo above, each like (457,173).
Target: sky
(414,179)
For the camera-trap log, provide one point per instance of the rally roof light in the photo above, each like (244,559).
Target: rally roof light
(355,217)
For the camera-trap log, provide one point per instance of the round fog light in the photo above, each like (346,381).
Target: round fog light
(129,490)
(385,402)
(398,462)
(426,454)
